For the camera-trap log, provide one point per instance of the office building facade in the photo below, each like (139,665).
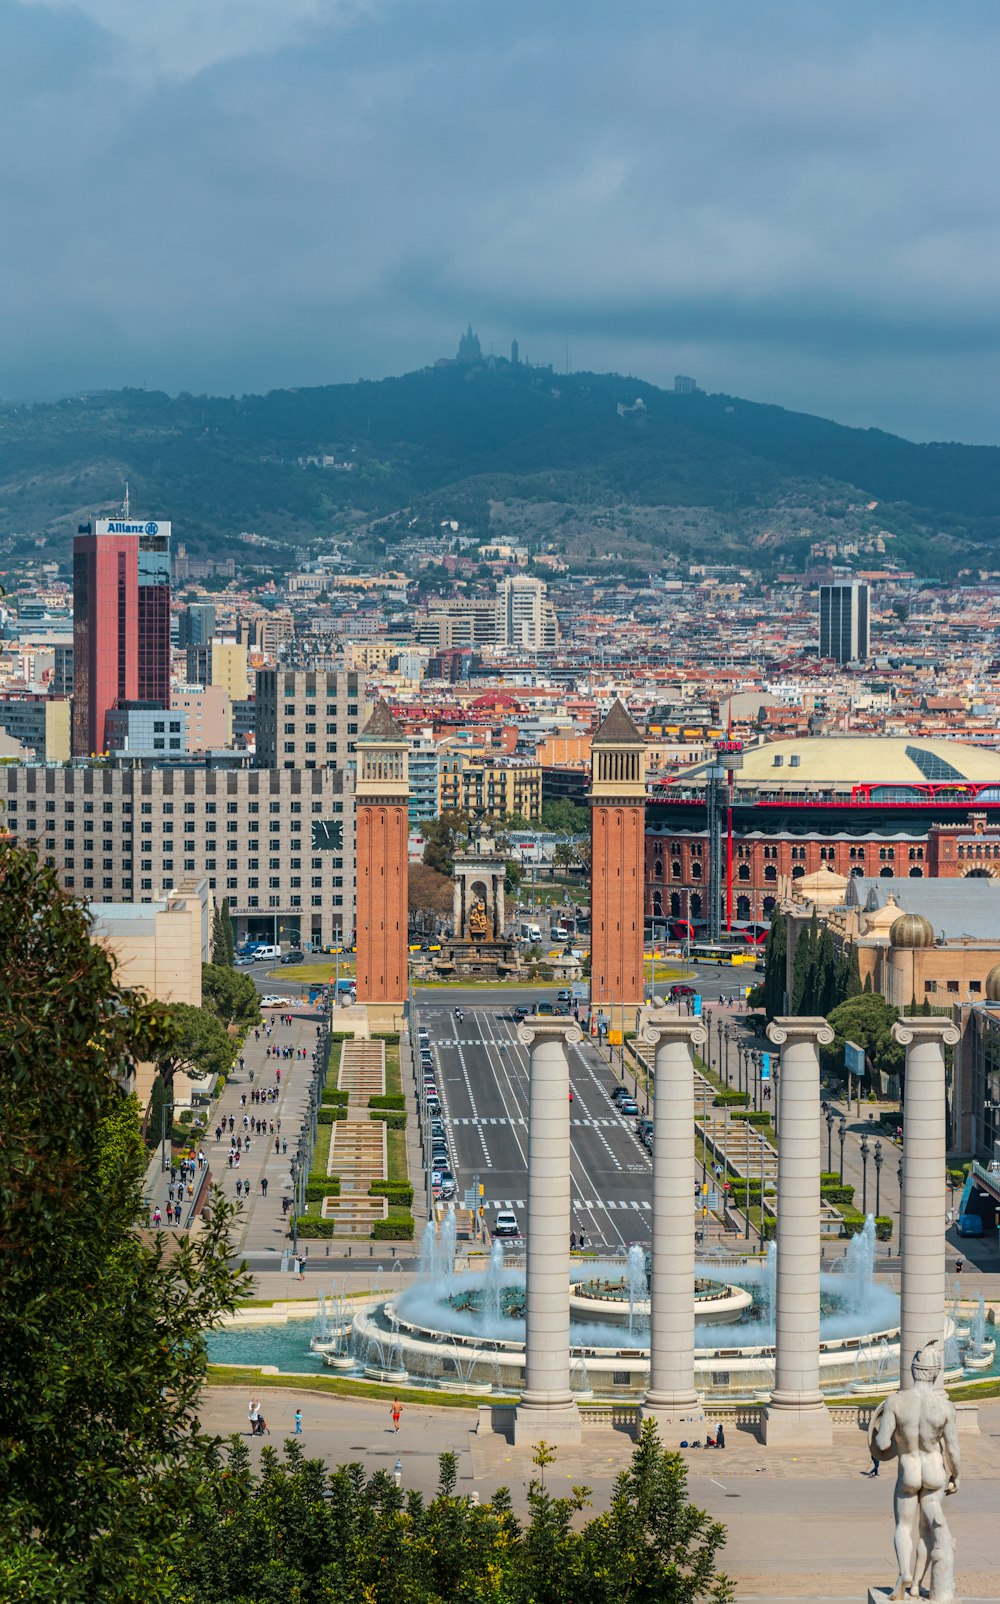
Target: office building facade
(279,844)
(525,616)
(145,729)
(308,718)
(105,627)
(153,664)
(844,632)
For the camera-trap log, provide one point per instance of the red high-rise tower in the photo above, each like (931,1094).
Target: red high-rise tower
(105,627)
(617,867)
(382,792)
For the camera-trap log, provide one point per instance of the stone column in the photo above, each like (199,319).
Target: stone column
(922,1205)
(547,1410)
(672,1396)
(796,1416)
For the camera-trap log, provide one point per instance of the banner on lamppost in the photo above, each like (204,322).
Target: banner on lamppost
(765,1066)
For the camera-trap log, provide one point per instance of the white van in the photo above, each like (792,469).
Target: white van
(270,951)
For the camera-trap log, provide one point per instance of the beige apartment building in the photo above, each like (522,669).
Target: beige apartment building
(492,789)
(209,712)
(279,843)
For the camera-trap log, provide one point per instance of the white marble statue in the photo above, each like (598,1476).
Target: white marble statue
(918,1428)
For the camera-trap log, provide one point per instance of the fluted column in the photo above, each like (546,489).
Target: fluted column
(547,1409)
(796,1415)
(922,1203)
(672,1395)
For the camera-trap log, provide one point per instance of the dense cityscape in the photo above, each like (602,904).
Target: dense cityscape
(500,856)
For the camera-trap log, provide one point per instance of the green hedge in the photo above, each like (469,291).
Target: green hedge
(333,1095)
(395,1191)
(828,1178)
(389,1100)
(393,1230)
(883,1227)
(730,1100)
(329,1114)
(752,1116)
(393,1120)
(855,1222)
(311,1225)
(836,1194)
(320,1186)
(390,1037)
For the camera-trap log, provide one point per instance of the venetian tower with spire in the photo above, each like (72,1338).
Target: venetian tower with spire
(382,792)
(618,855)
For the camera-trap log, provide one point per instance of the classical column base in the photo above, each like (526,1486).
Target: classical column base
(672,1409)
(555,1421)
(796,1423)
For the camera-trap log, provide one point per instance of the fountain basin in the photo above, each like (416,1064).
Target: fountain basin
(721,1305)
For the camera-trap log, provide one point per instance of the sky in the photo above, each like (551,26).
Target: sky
(790,201)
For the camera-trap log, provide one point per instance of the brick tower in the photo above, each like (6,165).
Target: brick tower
(617,867)
(382,792)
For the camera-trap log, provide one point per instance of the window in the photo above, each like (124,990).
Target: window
(168,807)
(252,883)
(188,865)
(168,863)
(146,807)
(232,884)
(274,881)
(743,871)
(145,885)
(189,827)
(295,881)
(253,863)
(316,902)
(232,863)
(953,985)
(289,729)
(317,881)
(770,873)
(147,864)
(232,807)
(930,985)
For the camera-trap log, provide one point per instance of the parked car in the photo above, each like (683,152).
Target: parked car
(682,991)
(520,1012)
(645,1128)
(619,1093)
(433,1105)
(447,1184)
(294,956)
(565,995)
(506,1224)
(628,1105)
(244,960)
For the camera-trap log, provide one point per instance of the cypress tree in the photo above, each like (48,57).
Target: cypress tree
(825,996)
(775,954)
(852,980)
(228,932)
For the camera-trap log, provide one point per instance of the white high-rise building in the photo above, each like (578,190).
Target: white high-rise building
(525,616)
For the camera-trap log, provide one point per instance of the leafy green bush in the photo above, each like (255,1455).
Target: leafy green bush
(390,1037)
(329,1116)
(837,1194)
(393,1230)
(389,1100)
(320,1186)
(883,1227)
(753,1117)
(310,1225)
(393,1120)
(333,1095)
(730,1100)
(395,1191)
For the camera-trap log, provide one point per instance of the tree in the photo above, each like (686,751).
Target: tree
(564,855)
(101,1341)
(804,968)
(852,977)
(513,875)
(430,895)
(296,1530)
(775,956)
(564,817)
(825,994)
(441,838)
(867,1020)
(223,936)
(231,996)
(196,1044)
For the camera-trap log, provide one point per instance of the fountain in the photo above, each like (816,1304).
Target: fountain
(638,1293)
(490,1308)
(980,1351)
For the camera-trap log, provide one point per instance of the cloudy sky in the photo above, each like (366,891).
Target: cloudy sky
(792,201)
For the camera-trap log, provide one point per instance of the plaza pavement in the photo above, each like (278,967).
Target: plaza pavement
(824,1533)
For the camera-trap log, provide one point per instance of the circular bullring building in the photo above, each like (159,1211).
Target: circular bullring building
(864,806)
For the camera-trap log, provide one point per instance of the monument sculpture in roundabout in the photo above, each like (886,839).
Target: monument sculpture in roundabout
(918,1427)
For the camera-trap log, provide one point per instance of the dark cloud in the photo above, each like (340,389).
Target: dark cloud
(794,203)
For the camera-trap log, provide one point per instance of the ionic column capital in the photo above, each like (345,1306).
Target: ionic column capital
(662,1026)
(921,1029)
(542,1027)
(791,1028)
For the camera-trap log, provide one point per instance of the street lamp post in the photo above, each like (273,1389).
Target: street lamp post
(295,1206)
(877,1156)
(830,1117)
(842,1132)
(864,1174)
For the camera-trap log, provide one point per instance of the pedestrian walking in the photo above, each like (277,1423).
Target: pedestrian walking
(243,1099)
(156,1217)
(263,1185)
(277,1144)
(284,1145)
(218,1133)
(396,1411)
(298,1422)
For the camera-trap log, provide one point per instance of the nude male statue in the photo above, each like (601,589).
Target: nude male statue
(918,1427)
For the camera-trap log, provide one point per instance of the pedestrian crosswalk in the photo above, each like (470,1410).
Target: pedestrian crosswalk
(639,1205)
(594,1124)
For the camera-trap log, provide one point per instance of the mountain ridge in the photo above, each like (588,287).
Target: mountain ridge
(346,461)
